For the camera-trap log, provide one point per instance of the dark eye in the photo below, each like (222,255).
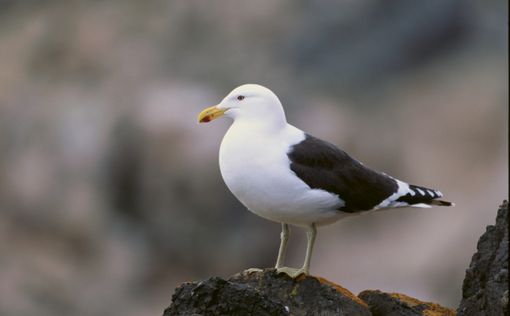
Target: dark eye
(240,97)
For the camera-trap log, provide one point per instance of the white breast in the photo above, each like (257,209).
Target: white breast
(257,171)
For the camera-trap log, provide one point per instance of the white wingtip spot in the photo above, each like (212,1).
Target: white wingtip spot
(421,205)
(420,191)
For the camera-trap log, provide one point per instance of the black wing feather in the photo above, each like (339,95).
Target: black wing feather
(426,196)
(322,165)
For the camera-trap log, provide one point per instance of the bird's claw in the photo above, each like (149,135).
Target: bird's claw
(252,270)
(291,272)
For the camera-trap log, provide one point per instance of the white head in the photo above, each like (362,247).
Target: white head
(249,102)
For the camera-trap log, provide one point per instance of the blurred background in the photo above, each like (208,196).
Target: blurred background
(110,192)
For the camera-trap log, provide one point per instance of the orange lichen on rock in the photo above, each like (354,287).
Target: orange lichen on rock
(341,290)
(386,302)
(431,309)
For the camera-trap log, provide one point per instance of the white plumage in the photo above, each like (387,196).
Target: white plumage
(285,175)
(255,167)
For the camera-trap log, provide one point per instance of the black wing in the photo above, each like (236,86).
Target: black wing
(321,165)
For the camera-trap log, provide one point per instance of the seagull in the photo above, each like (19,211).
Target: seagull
(283,174)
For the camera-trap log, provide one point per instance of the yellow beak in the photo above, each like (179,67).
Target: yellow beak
(210,114)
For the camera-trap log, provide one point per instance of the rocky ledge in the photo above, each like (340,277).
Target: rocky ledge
(485,290)
(485,287)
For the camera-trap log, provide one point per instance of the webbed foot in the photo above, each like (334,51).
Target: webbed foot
(291,272)
(252,270)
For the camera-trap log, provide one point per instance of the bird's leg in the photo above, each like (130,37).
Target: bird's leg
(310,234)
(294,273)
(284,237)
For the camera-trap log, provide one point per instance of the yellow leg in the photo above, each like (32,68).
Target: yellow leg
(294,273)
(310,234)
(284,237)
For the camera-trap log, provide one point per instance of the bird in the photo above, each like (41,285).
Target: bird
(286,175)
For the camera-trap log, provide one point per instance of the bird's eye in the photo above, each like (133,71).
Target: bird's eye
(240,97)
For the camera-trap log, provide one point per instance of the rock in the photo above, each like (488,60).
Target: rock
(485,288)
(395,304)
(306,295)
(269,293)
(216,296)
(265,293)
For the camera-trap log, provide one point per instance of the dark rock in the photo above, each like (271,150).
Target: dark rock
(265,293)
(395,304)
(306,295)
(216,296)
(269,293)
(485,288)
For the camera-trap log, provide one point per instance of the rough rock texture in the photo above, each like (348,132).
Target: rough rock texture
(395,304)
(485,288)
(307,295)
(269,293)
(265,293)
(216,296)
